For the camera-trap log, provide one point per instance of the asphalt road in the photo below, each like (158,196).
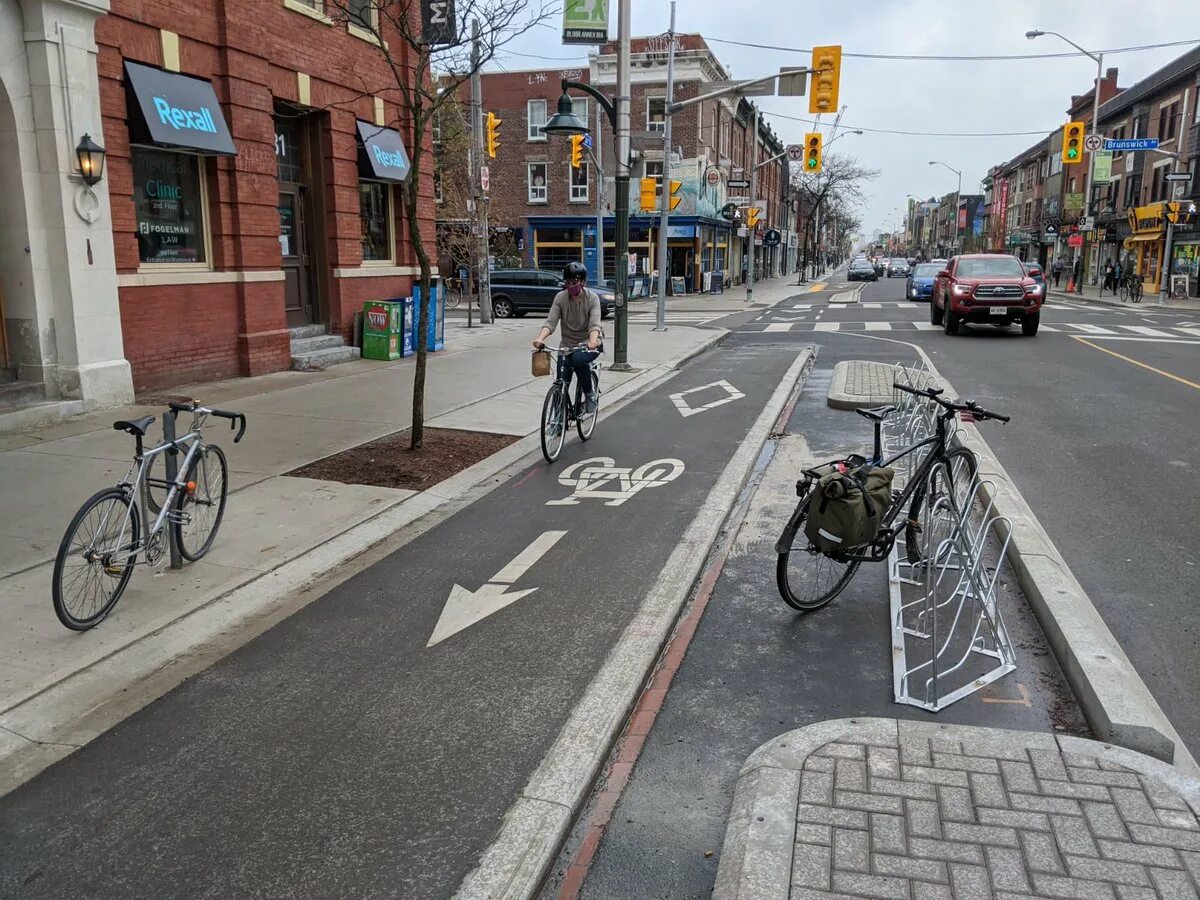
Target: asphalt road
(1102,447)
(756,669)
(337,754)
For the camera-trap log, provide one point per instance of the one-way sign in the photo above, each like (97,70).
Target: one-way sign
(737,183)
(1178,176)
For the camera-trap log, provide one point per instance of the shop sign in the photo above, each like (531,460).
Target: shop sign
(1143,219)
(381,155)
(1075,240)
(173,110)
(438,24)
(681,231)
(1073,201)
(1102,167)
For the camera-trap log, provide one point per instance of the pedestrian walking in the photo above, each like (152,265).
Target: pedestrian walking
(1077,269)
(1109,278)
(1056,269)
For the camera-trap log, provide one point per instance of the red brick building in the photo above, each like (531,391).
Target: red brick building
(279,208)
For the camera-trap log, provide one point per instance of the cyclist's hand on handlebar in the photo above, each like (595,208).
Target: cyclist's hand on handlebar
(538,345)
(593,342)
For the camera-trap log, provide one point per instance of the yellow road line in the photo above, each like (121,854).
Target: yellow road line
(816,287)
(1135,362)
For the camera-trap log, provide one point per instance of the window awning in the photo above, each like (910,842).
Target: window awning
(1143,238)
(381,153)
(173,110)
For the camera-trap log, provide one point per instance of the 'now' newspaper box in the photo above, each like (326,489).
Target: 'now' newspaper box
(383,329)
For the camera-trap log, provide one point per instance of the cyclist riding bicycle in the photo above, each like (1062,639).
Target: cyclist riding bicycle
(576,312)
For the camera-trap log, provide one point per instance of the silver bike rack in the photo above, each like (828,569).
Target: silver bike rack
(948,634)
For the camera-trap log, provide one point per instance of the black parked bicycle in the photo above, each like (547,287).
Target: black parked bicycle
(808,577)
(1131,288)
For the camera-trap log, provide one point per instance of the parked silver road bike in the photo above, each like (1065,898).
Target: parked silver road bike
(102,544)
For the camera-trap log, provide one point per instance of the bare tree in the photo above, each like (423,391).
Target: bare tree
(424,76)
(841,177)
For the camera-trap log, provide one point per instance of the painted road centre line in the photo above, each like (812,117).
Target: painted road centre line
(1138,363)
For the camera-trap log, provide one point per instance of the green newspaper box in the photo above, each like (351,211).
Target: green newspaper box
(383,329)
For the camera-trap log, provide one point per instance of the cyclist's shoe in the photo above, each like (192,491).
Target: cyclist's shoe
(590,406)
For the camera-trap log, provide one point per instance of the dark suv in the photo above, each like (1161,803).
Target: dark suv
(519,291)
(990,288)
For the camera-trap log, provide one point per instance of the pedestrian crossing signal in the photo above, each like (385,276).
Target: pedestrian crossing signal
(1072,146)
(812,152)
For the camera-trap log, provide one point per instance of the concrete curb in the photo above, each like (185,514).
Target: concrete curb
(840,398)
(540,820)
(50,725)
(756,857)
(1115,301)
(1116,702)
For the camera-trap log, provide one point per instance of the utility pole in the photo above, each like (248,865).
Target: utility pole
(664,213)
(621,185)
(482,276)
(753,198)
(598,150)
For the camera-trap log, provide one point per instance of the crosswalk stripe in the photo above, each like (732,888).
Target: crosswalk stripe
(879,326)
(1091,329)
(803,306)
(779,326)
(927,326)
(1192,331)
(1146,330)
(827,326)
(1048,328)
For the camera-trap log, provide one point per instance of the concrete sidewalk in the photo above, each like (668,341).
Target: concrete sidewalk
(1150,301)
(887,808)
(274,524)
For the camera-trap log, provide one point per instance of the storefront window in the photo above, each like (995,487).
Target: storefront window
(375,211)
(169,205)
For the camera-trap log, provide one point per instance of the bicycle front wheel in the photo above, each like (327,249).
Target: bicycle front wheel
(453,297)
(586,423)
(806,577)
(95,559)
(554,422)
(200,511)
(951,492)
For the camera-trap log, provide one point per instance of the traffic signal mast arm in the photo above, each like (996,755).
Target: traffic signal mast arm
(735,89)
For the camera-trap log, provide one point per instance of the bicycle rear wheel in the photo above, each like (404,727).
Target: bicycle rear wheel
(554,421)
(586,423)
(95,559)
(954,485)
(453,297)
(808,578)
(200,512)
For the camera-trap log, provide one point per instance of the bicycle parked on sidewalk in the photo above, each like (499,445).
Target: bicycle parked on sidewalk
(97,554)
(809,577)
(558,412)
(1131,288)
(452,292)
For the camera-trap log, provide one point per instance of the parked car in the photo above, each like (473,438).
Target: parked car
(919,285)
(1037,273)
(862,270)
(897,266)
(991,288)
(516,292)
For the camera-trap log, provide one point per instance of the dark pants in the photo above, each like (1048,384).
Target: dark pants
(580,362)
(1057,277)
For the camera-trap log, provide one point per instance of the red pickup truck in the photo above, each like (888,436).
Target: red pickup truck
(986,288)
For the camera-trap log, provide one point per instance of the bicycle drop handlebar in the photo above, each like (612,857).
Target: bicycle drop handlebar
(233,417)
(970,406)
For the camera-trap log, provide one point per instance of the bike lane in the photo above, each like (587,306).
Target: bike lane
(371,743)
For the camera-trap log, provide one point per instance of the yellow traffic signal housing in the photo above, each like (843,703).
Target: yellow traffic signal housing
(812,152)
(576,151)
(752,215)
(675,198)
(649,194)
(493,134)
(1072,148)
(827,75)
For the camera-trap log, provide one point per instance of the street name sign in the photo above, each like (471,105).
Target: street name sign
(1132,144)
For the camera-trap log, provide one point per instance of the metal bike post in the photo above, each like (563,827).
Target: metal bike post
(172,458)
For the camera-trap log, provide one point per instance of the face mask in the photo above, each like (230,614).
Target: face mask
(574,288)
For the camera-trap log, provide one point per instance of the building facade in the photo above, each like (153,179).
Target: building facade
(250,187)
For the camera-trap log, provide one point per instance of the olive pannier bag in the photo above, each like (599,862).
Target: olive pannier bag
(847,507)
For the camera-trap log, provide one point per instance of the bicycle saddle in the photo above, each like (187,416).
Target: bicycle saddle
(135,426)
(876,415)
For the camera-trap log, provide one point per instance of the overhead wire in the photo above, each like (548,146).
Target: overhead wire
(926,57)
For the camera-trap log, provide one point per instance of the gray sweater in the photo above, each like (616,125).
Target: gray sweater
(579,317)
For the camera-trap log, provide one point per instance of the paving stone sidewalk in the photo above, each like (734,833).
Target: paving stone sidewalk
(887,808)
(861,384)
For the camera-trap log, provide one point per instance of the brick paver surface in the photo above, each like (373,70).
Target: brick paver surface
(933,817)
(863,382)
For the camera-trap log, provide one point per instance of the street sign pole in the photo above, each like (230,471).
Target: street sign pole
(753,197)
(664,210)
(1087,188)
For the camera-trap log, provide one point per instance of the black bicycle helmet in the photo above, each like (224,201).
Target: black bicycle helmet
(574,270)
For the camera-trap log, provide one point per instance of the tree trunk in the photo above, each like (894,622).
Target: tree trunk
(417,433)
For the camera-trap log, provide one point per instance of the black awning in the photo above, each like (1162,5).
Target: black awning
(173,110)
(381,153)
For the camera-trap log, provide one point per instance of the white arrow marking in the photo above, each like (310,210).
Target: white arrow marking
(464,608)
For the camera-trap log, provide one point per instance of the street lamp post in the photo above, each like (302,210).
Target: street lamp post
(957,197)
(565,122)
(1095,127)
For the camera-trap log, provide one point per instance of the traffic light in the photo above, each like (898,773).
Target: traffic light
(827,73)
(649,194)
(493,134)
(1072,148)
(752,215)
(812,152)
(675,198)
(576,151)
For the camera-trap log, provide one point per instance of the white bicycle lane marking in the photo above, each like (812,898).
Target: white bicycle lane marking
(600,478)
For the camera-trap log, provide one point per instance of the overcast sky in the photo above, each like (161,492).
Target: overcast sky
(935,96)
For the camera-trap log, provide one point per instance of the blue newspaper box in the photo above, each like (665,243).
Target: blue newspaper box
(436,339)
(408,346)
